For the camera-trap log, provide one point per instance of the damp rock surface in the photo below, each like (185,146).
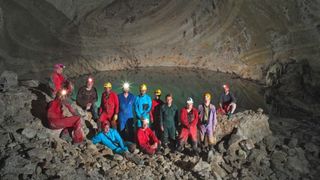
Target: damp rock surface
(30,150)
(241,37)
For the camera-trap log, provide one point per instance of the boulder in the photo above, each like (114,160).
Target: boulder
(271,142)
(278,159)
(41,154)
(30,83)
(253,126)
(298,162)
(2,110)
(293,142)
(8,79)
(29,132)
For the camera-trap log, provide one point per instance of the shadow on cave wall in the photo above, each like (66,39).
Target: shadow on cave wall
(39,106)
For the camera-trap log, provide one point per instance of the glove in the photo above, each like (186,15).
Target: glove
(115,117)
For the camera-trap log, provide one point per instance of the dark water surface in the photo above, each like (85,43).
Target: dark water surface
(182,82)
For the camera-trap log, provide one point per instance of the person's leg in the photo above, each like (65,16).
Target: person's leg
(184,134)
(193,134)
(113,123)
(102,121)
(172,133)
(131,146)
(131,130)
(233,107)
(148,150)
(165,136)
(172,136)
(94,112)
(202,132)
(74,123)
(139,123)
(211,139)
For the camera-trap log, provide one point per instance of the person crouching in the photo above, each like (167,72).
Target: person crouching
(147,140)
(57,120)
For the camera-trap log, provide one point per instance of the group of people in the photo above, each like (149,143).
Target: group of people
(124,119)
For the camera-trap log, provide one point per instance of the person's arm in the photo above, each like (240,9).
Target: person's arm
(116,100)
(96,139)
(153,136)
(69,107)
(101,104)
(140,139)
(136,108)
(151,111)
(56,82)
(183,119)
(220,101)
(233,99)
(176,117)
(211,116)
(119,139)
(161,116)
(196,118)
(214,118)
(95,97)
(200,110)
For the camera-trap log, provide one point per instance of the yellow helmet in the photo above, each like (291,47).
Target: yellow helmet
(207,94)
(107,85)
(157,92)
(143,87)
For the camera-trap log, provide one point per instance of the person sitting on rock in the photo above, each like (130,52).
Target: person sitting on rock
(110,138)
(87,97)
(227,102)
(168,120)
(57,120)
(189,118)
(57,79)
(147,140)
(142,105)
(109,107)
(155,112)
(207,120)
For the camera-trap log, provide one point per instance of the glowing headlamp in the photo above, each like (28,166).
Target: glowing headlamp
(64,92)
(126,85)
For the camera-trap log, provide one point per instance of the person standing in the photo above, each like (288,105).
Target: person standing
(168,120)
(207,120)
(142,106)
(87,97)
(189,118)
(126,118)
(155,113)
(109,107)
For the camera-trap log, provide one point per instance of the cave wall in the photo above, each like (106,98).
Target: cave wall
(236,36)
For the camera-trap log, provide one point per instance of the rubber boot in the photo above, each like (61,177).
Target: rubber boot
(212,148)
(195,148)
(180,147)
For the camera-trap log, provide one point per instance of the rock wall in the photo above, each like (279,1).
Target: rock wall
(240,36)
(245,149)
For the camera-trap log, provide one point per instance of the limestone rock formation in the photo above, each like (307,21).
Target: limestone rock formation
(246,149)
(240,36)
